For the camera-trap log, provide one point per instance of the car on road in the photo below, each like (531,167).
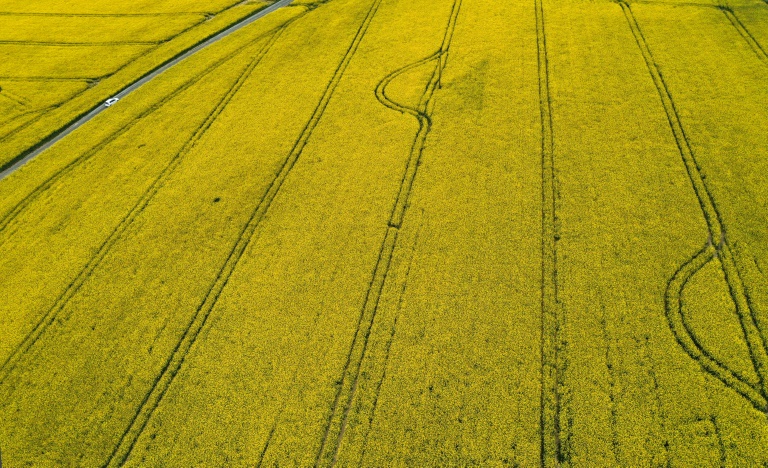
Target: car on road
(110,101)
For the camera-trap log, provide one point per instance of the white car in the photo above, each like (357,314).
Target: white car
(110,101)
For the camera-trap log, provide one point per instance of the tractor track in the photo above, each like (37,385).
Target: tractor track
(717,246)
(74,286)
(748,37)
(553,451)
(84,118)
(338,417)
(411,253)
(175,361)
(25,202)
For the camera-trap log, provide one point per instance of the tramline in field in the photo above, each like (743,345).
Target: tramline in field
(386,233)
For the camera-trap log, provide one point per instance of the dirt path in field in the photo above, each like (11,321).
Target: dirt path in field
(45,144)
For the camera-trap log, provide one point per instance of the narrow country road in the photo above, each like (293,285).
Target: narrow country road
(138,83)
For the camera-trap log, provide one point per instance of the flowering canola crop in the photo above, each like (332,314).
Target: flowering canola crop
(397,233)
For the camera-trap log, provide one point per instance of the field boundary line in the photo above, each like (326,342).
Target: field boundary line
(552,447)
(79,120)
(9,166)
(105,15)
(12,165)
(9,216)
(675,4)
(50,316)
(81,44)
(172,366)
(337,420)
(717,240)
(4,170)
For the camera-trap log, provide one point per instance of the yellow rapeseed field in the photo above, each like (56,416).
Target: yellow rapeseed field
(386,233)
(56,58)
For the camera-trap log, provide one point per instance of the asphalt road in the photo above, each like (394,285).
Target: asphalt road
(137,84)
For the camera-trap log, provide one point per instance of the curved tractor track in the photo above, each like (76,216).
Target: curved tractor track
(50,141)
(717,246)
(338,418)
